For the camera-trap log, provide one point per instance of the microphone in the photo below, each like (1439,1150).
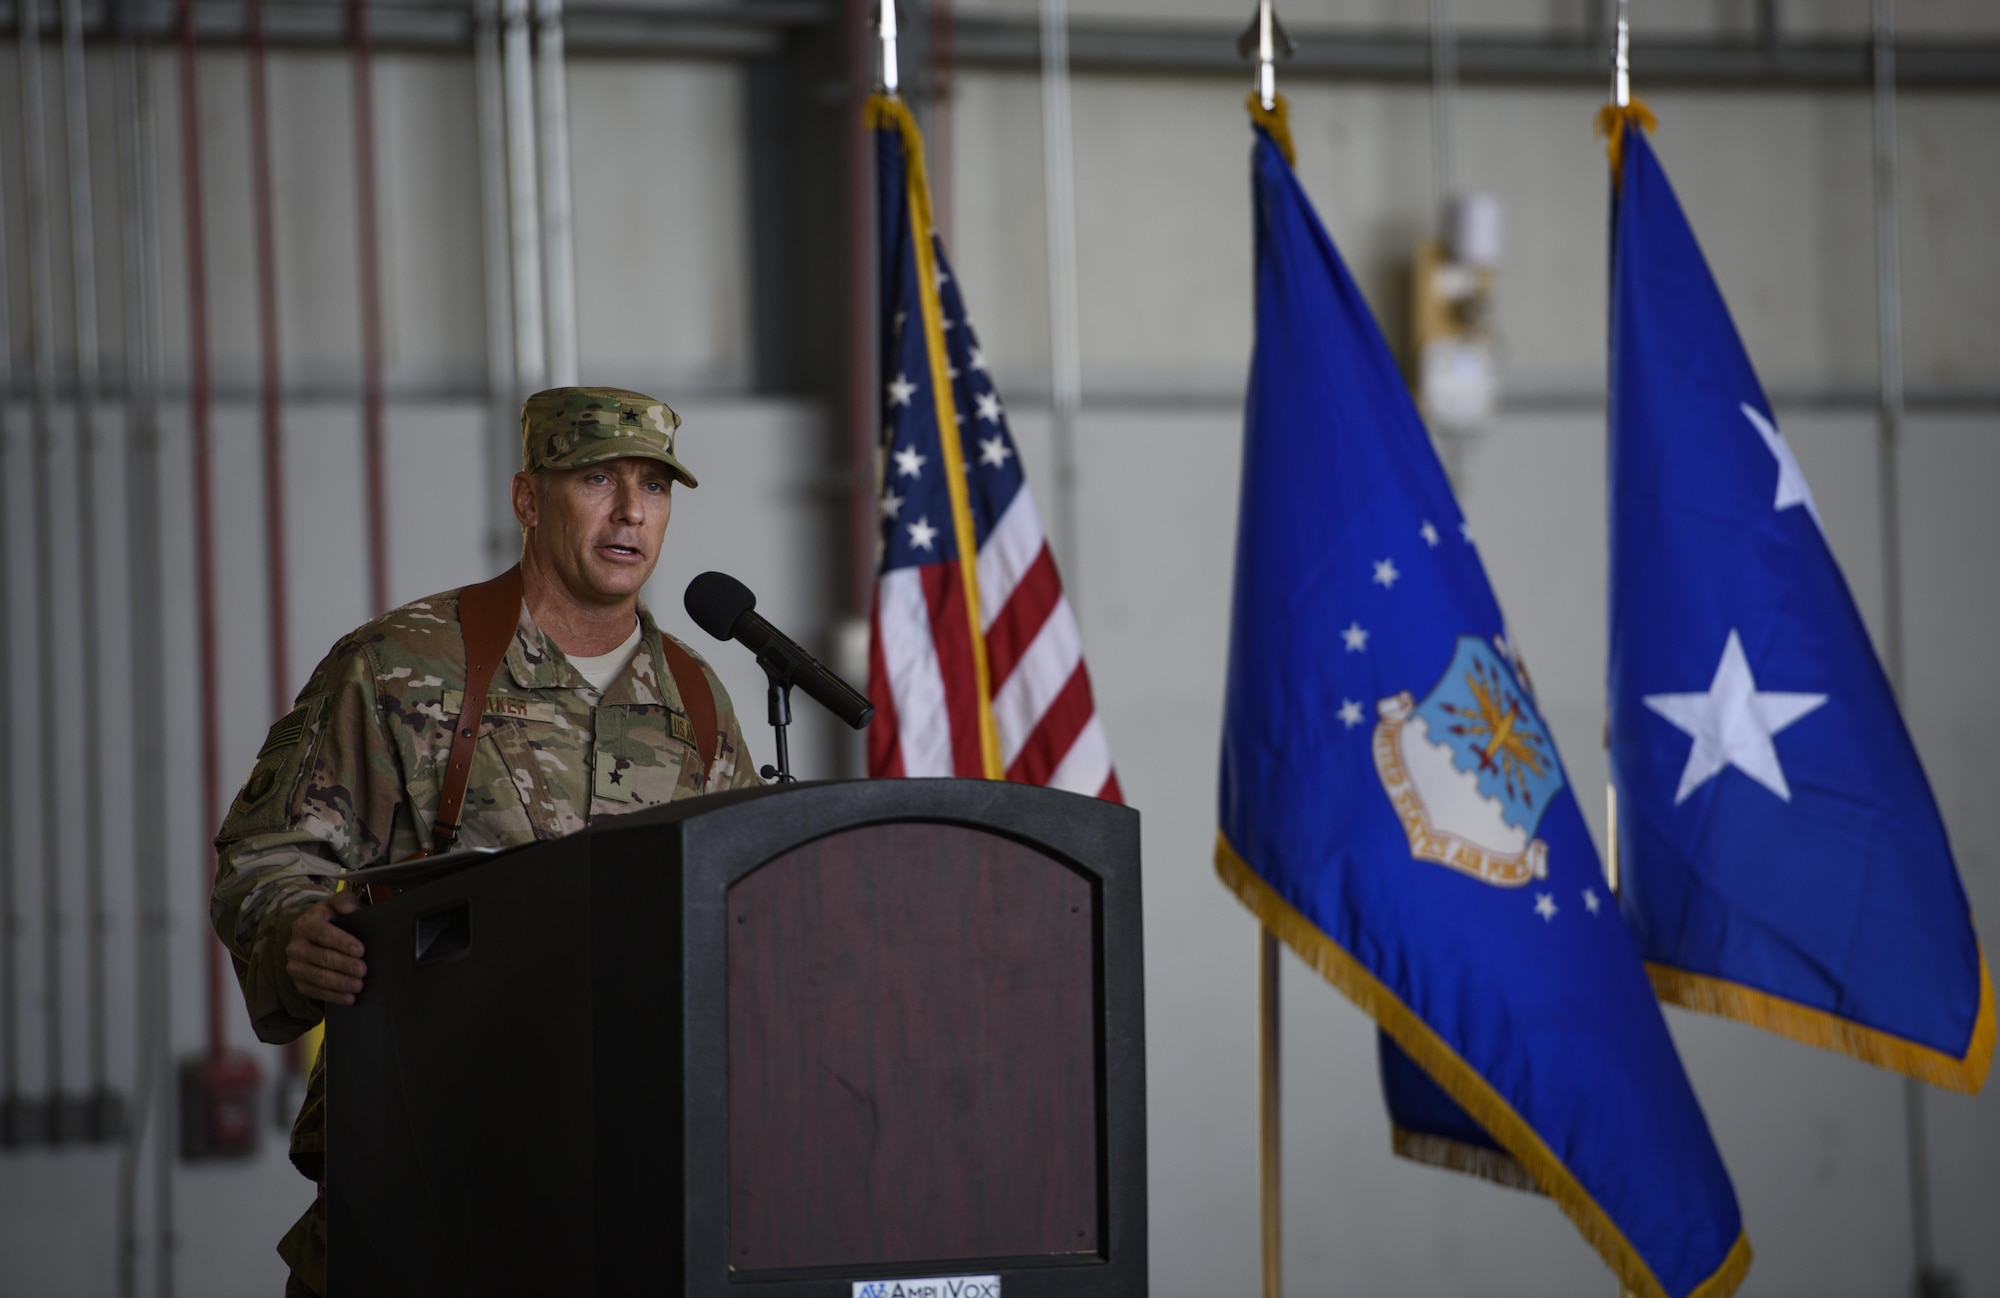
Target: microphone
(725,608)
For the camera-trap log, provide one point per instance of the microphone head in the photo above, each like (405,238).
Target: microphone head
(715,600)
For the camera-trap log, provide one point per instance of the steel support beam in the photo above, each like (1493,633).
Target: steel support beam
(1333,54)
(752,29)
(1766,60)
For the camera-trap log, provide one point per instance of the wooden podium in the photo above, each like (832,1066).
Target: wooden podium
(781,1043)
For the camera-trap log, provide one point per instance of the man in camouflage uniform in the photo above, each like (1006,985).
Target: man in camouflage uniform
(351,776)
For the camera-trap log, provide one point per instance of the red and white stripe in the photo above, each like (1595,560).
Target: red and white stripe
(1049,730)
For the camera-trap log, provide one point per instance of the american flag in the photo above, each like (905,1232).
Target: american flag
(975,669)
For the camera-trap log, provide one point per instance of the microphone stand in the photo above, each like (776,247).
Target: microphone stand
(779,667)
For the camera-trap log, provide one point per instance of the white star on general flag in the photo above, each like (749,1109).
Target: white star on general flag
(1590,900)
(1465,530)
(1732,724)
(1350,713)
(977,359)
(939,277)
(989,407)
(1545,906)
(1792,488)
(1386,574)
(901,391)
(994,451)
(909,464)
(892,504)
(1356,638)
(922,533)
(1429,533)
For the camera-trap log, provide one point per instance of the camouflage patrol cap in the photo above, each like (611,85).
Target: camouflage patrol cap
(567,428)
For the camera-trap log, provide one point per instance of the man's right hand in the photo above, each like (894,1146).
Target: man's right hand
(323,959)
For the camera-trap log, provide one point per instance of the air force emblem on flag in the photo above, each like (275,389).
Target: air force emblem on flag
(1470,769)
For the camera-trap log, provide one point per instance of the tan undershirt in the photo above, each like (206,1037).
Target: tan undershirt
(603,669)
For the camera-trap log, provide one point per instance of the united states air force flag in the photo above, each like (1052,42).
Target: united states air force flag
(1784,862)
(1392,803)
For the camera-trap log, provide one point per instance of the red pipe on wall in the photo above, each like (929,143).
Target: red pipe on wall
(204,504)
(862,397)
(371,307)
(268,355)
(271,382)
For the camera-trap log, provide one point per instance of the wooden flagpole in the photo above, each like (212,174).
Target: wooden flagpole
(1270,1204)
(1269,1112)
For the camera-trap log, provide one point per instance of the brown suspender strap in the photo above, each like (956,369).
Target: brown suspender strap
(697,698)
(487,616)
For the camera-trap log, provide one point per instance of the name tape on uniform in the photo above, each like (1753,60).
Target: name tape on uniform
(501,705)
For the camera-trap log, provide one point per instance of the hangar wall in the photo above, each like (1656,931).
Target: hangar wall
(1777,186)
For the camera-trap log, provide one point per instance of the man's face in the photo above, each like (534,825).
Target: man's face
(597,529)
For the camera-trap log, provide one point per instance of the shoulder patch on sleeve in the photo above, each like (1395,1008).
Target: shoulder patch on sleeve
(265,801)
(286,730)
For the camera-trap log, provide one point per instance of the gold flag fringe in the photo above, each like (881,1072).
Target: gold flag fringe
(1464,1084)
(1611,121)
(1473,1160)
(1830,1032)
(1276,121)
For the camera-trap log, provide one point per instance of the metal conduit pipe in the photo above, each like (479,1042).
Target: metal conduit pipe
(501,396)
(13,1125)
(1444,112)
(1929,1280)
(558,230)
(523,204)
(1059,216)
(373,451)
(941,145)
(152,1063)
(207,648)
(102,1117)
(41,305)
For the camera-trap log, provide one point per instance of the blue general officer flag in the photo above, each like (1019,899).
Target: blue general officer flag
(1392,804)
(1784,862)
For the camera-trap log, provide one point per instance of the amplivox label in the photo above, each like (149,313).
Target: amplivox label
(937,1286)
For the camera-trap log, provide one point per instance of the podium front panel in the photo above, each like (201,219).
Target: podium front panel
(913,1053)
(762,1044)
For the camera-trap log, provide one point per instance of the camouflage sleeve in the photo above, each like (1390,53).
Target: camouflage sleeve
(325,795)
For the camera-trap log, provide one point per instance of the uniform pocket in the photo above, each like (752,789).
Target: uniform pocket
(509,775)
(641,758)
